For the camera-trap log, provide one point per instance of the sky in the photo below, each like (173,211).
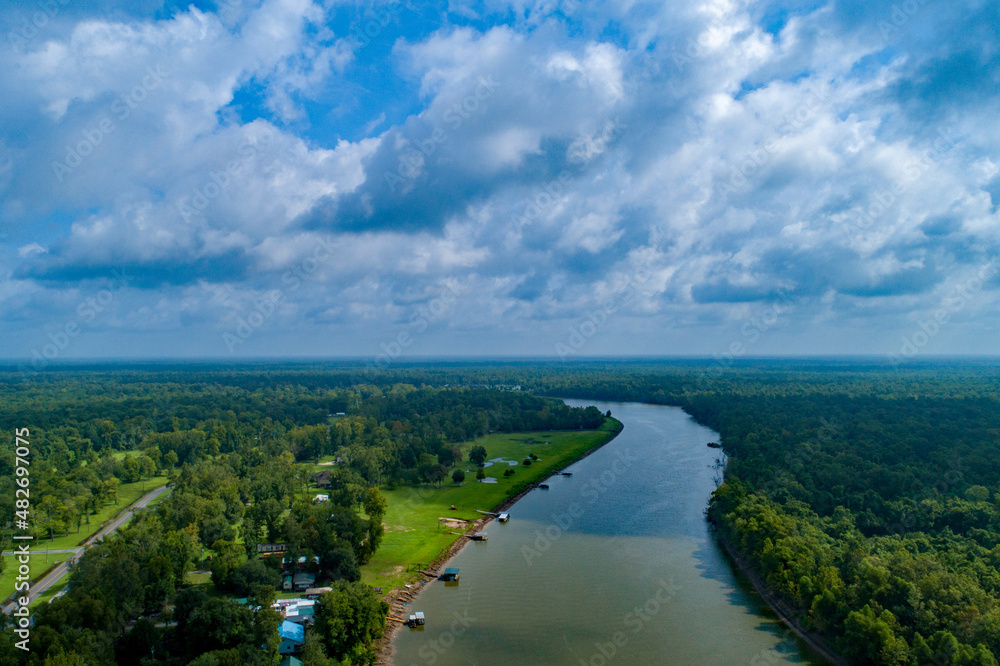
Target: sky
(562,179)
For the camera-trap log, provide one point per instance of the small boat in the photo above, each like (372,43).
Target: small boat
(543,486)
(566,473)
(714,445)
(503,517)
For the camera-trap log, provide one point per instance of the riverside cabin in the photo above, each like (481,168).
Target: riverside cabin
(503,517)
(449,575)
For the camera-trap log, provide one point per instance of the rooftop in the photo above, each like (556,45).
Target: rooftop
(291,631)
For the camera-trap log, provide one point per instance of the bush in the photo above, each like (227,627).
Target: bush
(527,462)
(458,476)
(480,473)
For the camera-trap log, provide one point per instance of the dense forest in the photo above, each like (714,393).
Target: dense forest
(867,496)
(235,455)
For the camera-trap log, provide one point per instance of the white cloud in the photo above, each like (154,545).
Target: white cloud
(724,162)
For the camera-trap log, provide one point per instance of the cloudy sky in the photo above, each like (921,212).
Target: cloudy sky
(559,178)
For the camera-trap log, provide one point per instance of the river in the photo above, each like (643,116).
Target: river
(614,564)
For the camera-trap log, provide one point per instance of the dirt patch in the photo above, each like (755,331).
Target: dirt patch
(454,523)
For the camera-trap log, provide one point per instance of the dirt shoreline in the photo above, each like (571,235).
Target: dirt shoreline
(787,615)
(398,596)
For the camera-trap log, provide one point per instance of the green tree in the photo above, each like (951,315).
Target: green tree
(348,620)
(477,455)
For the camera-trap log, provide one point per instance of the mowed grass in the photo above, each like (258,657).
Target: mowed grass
(414,536)
(127,493)
(38,564)
(40,561)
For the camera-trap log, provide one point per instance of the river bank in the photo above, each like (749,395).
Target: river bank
(398,596)
(787,614)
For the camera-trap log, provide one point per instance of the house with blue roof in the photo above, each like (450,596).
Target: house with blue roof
(292,637)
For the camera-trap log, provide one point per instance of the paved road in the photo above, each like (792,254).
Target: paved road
(56,574)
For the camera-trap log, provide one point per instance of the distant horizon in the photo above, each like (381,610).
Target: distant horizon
(420,359)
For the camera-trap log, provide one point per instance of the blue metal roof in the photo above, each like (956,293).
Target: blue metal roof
(291,631)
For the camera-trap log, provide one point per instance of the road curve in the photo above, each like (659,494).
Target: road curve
(39,587)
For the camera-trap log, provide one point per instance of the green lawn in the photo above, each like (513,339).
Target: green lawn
(40,561)
(127,493)
(38,564)
(414,535)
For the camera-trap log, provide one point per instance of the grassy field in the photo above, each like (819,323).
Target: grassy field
(414,536)
(127,493)
(40,561)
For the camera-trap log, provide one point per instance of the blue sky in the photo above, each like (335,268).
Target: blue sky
(556,178)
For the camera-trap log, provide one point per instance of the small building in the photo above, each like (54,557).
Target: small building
(303,581)
(323,479)
(450,574)
(314,592)
(304,615)
(321,498)
(292,637)
(269,548)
